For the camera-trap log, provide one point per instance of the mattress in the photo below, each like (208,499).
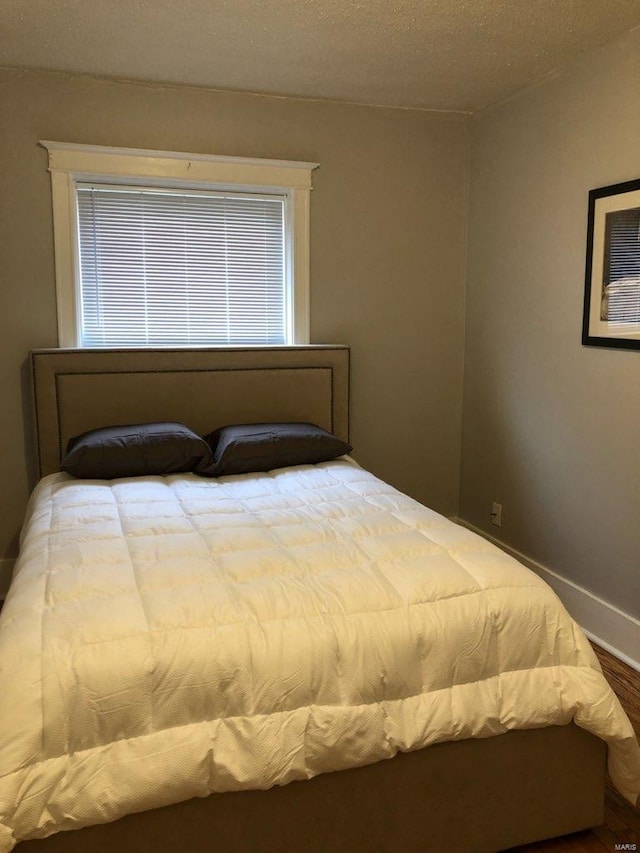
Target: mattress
(165,638)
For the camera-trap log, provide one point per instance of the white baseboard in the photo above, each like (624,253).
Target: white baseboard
(605,624)
(6,570)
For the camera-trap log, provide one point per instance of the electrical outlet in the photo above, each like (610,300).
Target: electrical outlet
(496,514)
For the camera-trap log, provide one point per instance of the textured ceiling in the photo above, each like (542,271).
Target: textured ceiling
(432,54)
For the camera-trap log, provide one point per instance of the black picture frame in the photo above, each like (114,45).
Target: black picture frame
(611,209)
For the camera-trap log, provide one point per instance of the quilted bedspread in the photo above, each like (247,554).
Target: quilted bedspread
(168,637)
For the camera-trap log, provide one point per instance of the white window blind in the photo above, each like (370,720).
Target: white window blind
(174,267)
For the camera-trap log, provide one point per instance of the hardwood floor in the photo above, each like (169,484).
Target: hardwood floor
(622,821)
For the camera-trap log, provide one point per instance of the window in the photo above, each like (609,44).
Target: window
(167,249)
(178,267)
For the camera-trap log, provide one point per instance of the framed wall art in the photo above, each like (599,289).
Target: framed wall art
(612,280)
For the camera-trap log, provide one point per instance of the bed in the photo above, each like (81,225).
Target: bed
(302,659)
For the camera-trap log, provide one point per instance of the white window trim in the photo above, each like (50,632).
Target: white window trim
(70,163)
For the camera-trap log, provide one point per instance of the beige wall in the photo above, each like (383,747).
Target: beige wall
(552,428)
(387,272)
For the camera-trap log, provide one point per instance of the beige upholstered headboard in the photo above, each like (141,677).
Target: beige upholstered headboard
(78,390)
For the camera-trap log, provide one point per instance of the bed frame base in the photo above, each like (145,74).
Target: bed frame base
(471,796)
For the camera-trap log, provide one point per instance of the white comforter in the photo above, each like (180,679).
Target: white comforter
(164,638)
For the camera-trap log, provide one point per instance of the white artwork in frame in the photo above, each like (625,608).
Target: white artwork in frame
(612,279)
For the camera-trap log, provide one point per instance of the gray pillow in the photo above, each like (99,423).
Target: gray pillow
(134,450)
(242,448)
